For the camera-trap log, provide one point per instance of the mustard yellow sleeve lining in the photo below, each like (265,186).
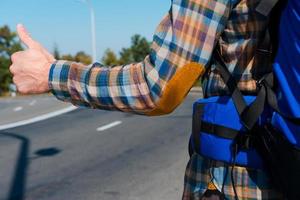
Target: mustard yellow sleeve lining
(177,88)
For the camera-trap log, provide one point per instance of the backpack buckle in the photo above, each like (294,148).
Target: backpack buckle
(260,82)
(266,80)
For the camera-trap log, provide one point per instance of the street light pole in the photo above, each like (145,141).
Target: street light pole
(93,30)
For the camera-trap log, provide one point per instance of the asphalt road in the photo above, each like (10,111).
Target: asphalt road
(97,155)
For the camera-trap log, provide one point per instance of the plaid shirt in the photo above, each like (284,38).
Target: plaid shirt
(188,33)
(250,184)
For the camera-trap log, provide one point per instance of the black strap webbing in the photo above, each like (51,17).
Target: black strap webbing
(218,130)
(249,116)
(254,110)
(242,140)
(196,126)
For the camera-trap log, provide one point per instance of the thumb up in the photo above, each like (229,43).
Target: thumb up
(30,43)
(30,68)
(25,37)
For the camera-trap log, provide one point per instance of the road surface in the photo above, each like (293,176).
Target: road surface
(96,155)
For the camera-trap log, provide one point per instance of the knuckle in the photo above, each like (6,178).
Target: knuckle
(15,80)
(13,69)
(25,88)
(15,56)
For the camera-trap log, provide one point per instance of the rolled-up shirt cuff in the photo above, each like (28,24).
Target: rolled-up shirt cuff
(58,80)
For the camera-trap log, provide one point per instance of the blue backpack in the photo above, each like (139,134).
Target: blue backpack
(262,131)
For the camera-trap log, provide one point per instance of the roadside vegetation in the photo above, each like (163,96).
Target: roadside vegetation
(9,44)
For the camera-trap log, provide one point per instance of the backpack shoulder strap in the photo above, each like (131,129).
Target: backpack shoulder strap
(249,113)
(265,7)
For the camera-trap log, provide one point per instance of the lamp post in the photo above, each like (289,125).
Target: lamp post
(93,29)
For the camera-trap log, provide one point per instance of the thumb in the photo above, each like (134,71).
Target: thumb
(26,38)
(31,43)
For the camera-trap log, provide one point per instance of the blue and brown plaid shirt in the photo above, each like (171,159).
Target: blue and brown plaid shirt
(187,34)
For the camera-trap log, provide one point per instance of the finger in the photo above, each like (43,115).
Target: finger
(15,56)
(13,69)
(22,87)
(26,38)
(31,43)
(15,81)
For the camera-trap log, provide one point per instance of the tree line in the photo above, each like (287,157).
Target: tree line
(138,50)
(9,43)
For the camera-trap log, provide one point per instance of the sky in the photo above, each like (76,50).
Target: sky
(66,23)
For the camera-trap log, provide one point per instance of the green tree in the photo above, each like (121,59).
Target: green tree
(8,45)
(126,56)
(83,58)
(110,58)
(138,50)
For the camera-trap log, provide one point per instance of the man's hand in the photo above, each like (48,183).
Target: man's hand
(30,68)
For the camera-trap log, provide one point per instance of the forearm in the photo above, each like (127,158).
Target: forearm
(125,88)
(121,88)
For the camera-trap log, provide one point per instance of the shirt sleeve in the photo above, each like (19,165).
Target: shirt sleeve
(182,46)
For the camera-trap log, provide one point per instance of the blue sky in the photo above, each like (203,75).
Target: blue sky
(67,22)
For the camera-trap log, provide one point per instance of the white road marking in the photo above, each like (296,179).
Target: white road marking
(17,109)
(38,118)
(108,126)
(32,103)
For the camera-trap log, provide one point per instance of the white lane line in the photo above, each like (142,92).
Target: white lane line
(38,118)
(108,126)
(32,103)
(17,109)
